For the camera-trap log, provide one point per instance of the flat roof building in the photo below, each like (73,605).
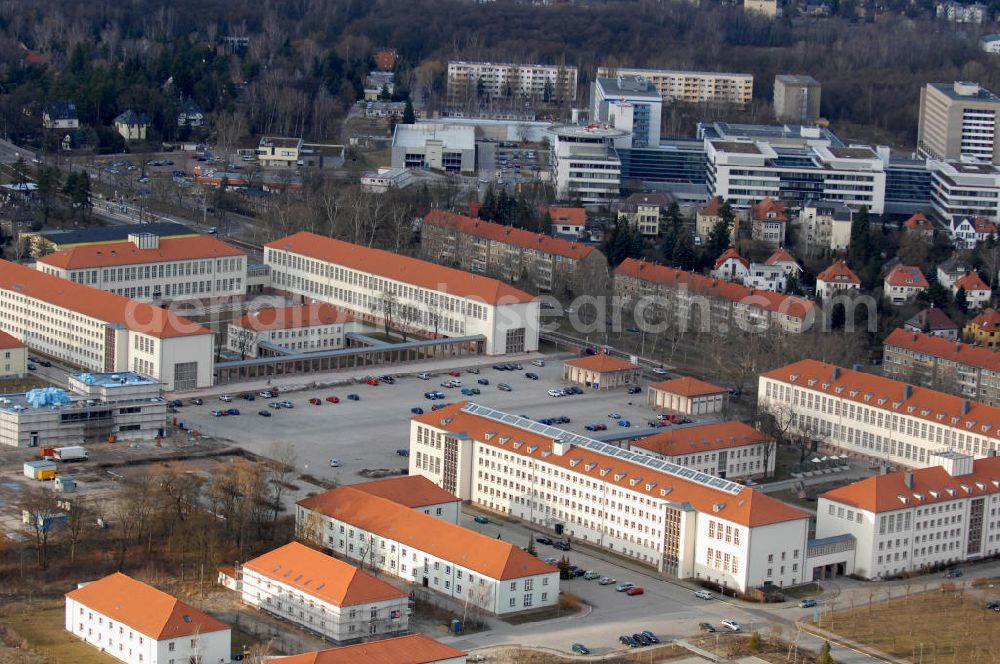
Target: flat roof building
(45,242)
(959,120)
(443,147)
(631,103)
(585,163)
(691,86)
(470,82)
(796,98)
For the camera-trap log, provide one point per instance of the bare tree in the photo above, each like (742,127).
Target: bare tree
(39,507)
(387,305)
(79,518)
(283,460)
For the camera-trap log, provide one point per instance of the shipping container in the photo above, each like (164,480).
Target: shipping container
(40,470)
(71,453)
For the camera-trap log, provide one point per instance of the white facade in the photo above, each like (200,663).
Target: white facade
(964,190)
(631,103)
(384,179)
(692,86)
(458,304)
(826,225)
(585,165)
(966,233)
(305,329)
(990,44)
(467,79)
(444,147)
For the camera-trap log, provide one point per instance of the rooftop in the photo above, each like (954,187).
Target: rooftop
(576,216)
(737,147)
(704,438)
(602,363)
(593,130)
(99,234)
(8,341)
(988,320)
(508,234)
(796,79)
(457,137)
(971,281)
(965,91)
(955,351)
(838,273)
(294,317)
(931,319)
(410,490)
(112,379)
(143,608)
(688,387)
(127,253)
(322,576)
(730,254)
(636,87)
(410,649)
(906,275)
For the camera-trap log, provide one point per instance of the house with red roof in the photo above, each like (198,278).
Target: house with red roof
(13,355)
(687,396)
(601,372)
(301,328)
(934,322)
(768,220)
(977,293)
(967,232)
(984,329)
(835,279)
(730,266)
(904,283)
(771,275)
(708,216)
(919,225)
(570,221)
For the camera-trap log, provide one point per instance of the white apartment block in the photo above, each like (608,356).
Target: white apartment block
(920,520)
(692,86)
(961,189)
(427,551)
(100,331)
(890,421)
(302,329)
(585,164)
(154,269)
(466,80)
(421,296)
(138,624)
(673,518)
(323,595)
(826,225)
(729,450)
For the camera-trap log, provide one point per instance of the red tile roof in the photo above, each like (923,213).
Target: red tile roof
(838,273)
(126,253)
(971,282)
(906,275)
(730,253)
(508,235)
(414,529)
(688,387)
(919,222)
(95,303)
(8,341)
(790,305)
(602,363)
(306,315)
(400,268)
(712,208)
(326,578)
(988,320)
(143,608)
(568,215)
(984,226)
(781,255)
(748,507)
(703,438)
(931,319)
(769,206)
(410,490)
(890,395)
(411,649)
(955,351)
(931,486)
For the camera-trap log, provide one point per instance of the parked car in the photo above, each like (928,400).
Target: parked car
(605,581)
(438,406)
(470,391)
(353,397)
(454,373)
(503,387)
(335,462)
(333,399)
(473,370)
(267,394)
(590,575)
(531,376)
(635,389)
(637,590)
(704,594)
(624,423)
(423,375)
(660,371)
(642,638)
(732,625)
(45,363)
(555,393)
(417,411)
(561,546)
(706,627)
(622,587)
(615,416)
(388,380)
(316,402)
(500,367)
(649,635)
(372,381)
(274,404)
(544,540)
(953,574)
(225,397)
(515,366)
(483,381)
(248,396)
(580,649)
(807,603)
(233,411)
(993,604)
(479,518)
(538,363)
(628,641)
(550,561)
(218,413)
(403,452)
(286,404)
(264,412)
(197,401)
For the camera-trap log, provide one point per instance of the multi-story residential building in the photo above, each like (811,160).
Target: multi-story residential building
(687,396)
(950,366)
(515,255)
(933,322)
(631,103)
(891,421)
(101,331)
(984,329)
(730,450)
(601,372)
(695,87)
(410,649)
(417,493)
(467,566)
(693,299)
(681,522)
(904,283)
(13,356)
(958,120)
(444,147)
(299,329)
(957,12)
(138,624)
(585,164)
(952,269)
(708,216)
(796,98)
(977,293)
(372,285)
(643,212)
(826,225)
(837,278)
(919,520)
(149,268)
(966,233)
(539,83)
(324,595)
(920,225)
(964,190)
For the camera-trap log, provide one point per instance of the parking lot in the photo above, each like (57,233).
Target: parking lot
(365,434)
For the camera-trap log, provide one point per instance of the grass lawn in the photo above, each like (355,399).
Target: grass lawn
(41,624)
(800,592)
(945,626)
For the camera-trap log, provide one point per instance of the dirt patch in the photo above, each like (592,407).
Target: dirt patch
(41,627)
(649,655)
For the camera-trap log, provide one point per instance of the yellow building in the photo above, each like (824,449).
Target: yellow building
(984,329)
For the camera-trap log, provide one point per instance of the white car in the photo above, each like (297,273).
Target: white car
(335,463)
(423,375)
(704,594)
(731,625)
(555,393)
(660,371)
(538,363)
(226,398)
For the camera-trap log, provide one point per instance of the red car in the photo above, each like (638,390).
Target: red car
(316,402)
(333,399)
(635,590)
(454,373)
(372,381)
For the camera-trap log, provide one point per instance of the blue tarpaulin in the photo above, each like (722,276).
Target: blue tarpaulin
(46,396)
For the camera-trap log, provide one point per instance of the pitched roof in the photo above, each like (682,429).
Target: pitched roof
(508,234)
(127,253)
(838,273)
(410,649)
(702,438)
(931,486)
(955,351)
(8,341)
(400,268)
(790,305)
(602,363)
(144,608)
(748,507)
(284,318)
(632,203)
(768,206)
(906,275)
(730,253)
(687,387)
(931,319)
(410,490)
(988,320)
(781,255)
(887,394)
(110,234)
(576,216)
(321,576)
(956,264)
(919,222)
(983,225)
(485,555)
(130,117)
(971,281)
(711,209)
(98,304)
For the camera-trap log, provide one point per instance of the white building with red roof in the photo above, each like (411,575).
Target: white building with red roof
(150,268)
(903,283)
(730,266)
(13,355)
(920,225)
(729,450)
(409,649)
(570,221)
(687,396)
(967,232)
(601,372)
(835,279)
(977,293)
(299,329)
(372,284)
(771,275)
(683,522)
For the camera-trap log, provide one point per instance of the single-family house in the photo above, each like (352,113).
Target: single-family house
(836,279)
(132,125)
(920,226)
(934,322)
(984,329)
(730,266)
(966,233)
(768,220)
(903,283)
(977,293)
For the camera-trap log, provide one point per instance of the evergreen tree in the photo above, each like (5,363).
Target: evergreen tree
(684,256)
(48,183)
(618,244)
(794,286)
(718,238)
(502,215)
(864,245)
(824,654)
(636,245)
(962,300)
(408,115)
(936,295)
(488,210)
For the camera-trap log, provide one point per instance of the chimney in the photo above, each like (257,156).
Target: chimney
(908,479)
(966,405)
(907,391)
(836,373)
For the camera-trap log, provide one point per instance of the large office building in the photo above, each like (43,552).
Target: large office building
(694,87)
(673,518)
(943,364)
(585,164)
(486,572)
(631,103)
(515,255)
(964,189)
(729,450)
(443,147)
(372,284)
(796,98)
(101,331)
(149,268)
(889,421)
(540,83)
(305,328)
(959,120)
